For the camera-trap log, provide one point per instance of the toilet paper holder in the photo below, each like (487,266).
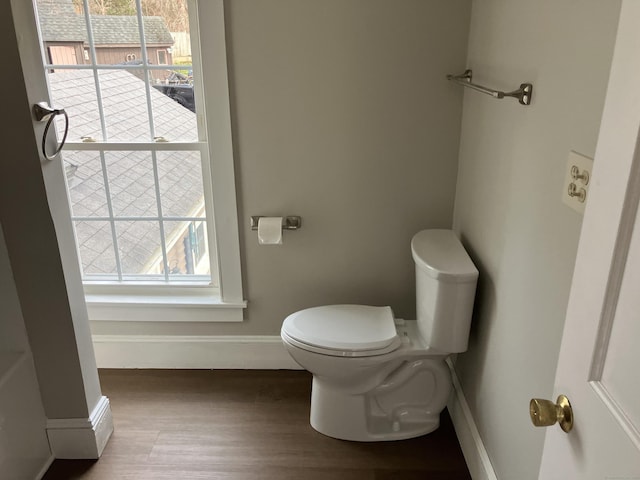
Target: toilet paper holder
(291,222)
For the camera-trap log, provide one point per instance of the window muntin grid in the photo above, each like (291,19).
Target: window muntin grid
(127,203)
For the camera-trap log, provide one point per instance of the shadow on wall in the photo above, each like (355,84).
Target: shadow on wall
(484,308)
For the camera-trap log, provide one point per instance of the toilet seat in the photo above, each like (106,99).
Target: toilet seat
(343,330)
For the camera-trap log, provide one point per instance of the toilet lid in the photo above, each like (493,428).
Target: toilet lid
(343,327)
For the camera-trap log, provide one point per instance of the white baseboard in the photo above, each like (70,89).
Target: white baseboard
(475,454)
(45,467)
(81,438)
(208,352)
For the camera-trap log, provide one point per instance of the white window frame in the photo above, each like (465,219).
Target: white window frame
(187,301)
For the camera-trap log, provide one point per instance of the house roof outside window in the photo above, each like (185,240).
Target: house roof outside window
(60,23)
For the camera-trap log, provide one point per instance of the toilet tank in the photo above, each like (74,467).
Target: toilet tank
(446,281)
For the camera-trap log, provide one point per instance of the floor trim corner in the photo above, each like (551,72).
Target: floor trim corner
(81,438)
(471,443)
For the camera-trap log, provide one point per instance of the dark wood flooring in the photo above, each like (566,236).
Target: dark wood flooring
(248,424)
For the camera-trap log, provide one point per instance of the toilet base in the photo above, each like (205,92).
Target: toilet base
(383,414)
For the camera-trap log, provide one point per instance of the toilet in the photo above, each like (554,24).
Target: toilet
(378,378)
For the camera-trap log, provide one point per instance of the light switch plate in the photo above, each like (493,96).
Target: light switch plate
(575,191)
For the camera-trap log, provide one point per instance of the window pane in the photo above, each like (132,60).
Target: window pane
(174,107)
(116,38)
(174,48)
(95,246)
(162,57)
(115,32)
(140,248)
(181,190)
(187,251)
(177,84)
(75,91)
(85,180)
(124,102)
(131,184)
(133,194)
(63,32)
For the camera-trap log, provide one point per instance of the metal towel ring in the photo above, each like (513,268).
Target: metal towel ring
(44,112)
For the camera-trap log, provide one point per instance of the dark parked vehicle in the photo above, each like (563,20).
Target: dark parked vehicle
(178,87)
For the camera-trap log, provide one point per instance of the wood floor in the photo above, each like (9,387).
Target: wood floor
(237,425)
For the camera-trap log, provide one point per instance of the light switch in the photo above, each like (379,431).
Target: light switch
(575,190)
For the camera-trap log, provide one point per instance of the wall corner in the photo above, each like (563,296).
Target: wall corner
(471,442)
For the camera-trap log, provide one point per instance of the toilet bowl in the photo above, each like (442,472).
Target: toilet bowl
(377,378)
(394,392)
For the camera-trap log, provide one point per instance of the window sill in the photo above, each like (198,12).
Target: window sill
(162,308)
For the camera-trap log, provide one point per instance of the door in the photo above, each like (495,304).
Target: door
(52,171)
(599,357)
(62,54)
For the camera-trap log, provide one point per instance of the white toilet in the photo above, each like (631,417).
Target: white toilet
(378,378)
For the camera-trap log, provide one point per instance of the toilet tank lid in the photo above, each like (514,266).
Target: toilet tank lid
(441,255)
(343,327)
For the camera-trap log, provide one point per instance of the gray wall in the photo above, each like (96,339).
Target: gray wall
(25,448)
(341,114)
(13,336)
(508,204)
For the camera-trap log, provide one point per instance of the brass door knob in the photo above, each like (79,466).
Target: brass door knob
(545,413)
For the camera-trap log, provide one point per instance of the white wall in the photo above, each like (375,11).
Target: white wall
(341,114)
(508,208)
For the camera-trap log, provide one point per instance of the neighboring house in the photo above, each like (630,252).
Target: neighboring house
(130,179)
(117,38)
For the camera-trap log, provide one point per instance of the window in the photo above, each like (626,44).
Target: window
(141,157)
(162,57)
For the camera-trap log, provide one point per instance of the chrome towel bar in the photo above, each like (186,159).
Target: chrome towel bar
(523,94)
